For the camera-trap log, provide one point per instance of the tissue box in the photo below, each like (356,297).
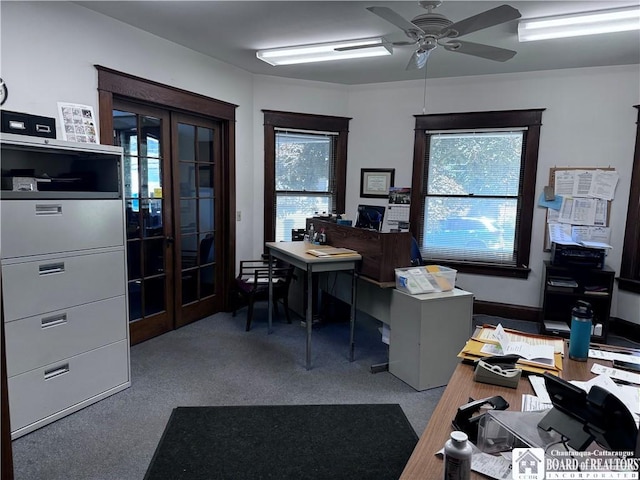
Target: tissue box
(425,279)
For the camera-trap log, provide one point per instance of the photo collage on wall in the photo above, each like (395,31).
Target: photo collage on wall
(78,123)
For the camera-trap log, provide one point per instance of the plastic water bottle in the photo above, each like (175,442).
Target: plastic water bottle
(581,321)
(457,457)
(312,233)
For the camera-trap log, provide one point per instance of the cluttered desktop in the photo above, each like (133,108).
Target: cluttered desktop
(566,418)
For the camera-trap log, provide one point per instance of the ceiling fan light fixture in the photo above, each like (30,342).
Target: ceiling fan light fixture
(324,52)
(579,24)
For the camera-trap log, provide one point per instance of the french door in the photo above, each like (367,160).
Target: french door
(172,172)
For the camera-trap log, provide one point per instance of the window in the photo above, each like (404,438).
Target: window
(473,189)
(305,169)
(630,266)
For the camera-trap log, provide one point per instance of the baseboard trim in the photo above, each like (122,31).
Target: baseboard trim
(617,326)
(517,312)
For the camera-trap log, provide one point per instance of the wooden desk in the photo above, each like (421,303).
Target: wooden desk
(295,253)
(423,462)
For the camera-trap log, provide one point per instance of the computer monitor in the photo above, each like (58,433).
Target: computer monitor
(370,216)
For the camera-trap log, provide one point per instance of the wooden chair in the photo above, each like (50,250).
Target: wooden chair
(252,285)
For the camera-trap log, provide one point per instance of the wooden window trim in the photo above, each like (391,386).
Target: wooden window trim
(630,267)
(532,119)
(302,121)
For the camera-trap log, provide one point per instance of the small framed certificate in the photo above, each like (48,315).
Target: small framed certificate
(375,182)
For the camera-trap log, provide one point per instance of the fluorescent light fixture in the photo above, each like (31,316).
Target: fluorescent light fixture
(324,52)
(574,25)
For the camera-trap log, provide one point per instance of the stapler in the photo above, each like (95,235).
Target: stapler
(468,423)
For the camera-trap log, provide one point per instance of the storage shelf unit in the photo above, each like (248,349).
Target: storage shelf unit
(63,278)
(591,285)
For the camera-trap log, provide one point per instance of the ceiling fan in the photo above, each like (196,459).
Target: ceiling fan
(430,29)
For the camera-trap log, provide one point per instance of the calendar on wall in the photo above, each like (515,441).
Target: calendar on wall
(396,218)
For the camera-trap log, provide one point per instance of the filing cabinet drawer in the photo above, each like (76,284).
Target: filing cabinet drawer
(50,337)
(45,391)
(61,281)
(35,227)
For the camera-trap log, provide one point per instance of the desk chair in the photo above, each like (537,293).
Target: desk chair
(252,285)
(416,256)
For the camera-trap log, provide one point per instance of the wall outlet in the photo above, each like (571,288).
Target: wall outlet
(238,216)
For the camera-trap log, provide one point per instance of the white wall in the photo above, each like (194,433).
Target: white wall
(589,121)
(49,49)
(275,93)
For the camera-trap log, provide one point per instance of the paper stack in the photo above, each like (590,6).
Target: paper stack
(538,353)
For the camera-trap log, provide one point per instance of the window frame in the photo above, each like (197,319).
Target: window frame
(300,121)
(530,119)
(629,279)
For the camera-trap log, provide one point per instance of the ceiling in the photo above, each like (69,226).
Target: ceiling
(232,31)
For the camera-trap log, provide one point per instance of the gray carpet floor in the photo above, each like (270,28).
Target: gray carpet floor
(215,362)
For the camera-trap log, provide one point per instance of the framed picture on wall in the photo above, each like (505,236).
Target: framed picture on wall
(375,182)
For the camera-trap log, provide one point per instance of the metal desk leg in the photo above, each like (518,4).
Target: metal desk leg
(270,302)
(352,319)
(309,313)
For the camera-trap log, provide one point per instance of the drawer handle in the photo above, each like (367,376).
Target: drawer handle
(54,321)
(56,371)
(51,268)
(17,125)
(48,209)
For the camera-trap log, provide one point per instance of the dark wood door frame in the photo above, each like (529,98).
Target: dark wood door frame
(122,85)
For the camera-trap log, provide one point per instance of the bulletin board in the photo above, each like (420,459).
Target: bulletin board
(552,180)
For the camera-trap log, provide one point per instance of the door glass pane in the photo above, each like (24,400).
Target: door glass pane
(135,300)
(205,180)
(188,216)
(186,142)
(205,144)
(150,138)
(187,180)
(207,281)
(130,176)
(153,218)
(153,257)
(189,250)
(206,215)
(133,260)
(125,126)
(207,248)
(154,296)
(189,286)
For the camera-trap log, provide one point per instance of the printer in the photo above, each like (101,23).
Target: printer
(577,256)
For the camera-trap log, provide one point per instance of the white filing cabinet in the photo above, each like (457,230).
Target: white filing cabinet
(427,333)
(64,279)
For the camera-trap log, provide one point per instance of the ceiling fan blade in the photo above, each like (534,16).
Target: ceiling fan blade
(480,50)
(390,16)
(418,59)
(495,16)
